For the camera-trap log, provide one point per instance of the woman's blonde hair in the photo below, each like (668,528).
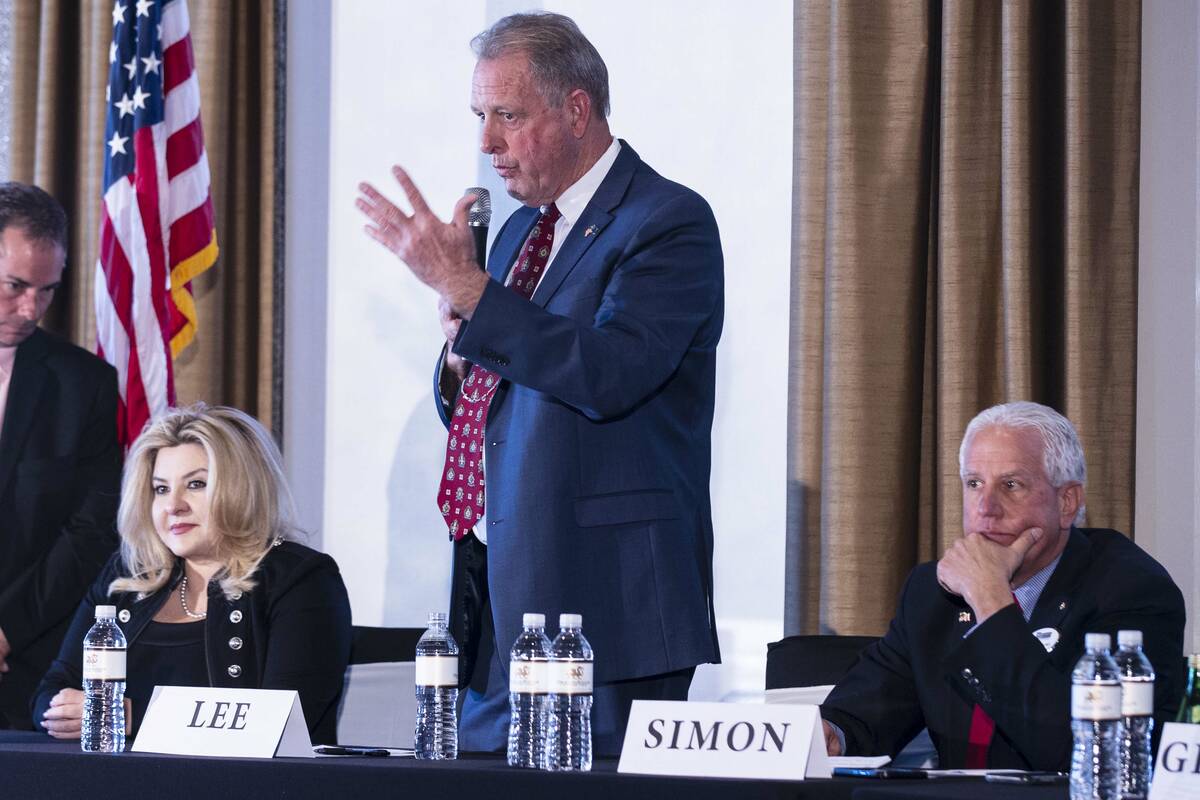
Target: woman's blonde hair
(250,506)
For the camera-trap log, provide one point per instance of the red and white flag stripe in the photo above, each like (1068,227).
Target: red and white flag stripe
(157,229)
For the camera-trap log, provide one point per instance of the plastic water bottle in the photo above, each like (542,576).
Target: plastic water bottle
(528,680)
(1095,722)
(436,733)
(103,726)
(569,701)
(1137,715)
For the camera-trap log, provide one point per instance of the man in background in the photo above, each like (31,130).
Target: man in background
(60,463)
(984,641)
(579,384)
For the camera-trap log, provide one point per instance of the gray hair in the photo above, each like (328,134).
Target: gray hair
(561,59)
(1062,453)
(34,211)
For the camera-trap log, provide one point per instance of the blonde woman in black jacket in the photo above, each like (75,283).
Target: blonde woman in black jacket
(209,588)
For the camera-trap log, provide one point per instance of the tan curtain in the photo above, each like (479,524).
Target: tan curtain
(59,71)
(965,233)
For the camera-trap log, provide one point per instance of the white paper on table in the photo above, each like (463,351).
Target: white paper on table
(858,762)
(800,695)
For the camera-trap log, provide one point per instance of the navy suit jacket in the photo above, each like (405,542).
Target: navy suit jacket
(60,474)
(598,442)
(923,673)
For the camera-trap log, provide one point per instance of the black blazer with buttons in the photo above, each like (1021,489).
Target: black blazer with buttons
(923,673)
(291,632)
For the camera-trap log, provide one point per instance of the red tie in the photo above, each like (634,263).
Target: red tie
(983,727)
(460,494)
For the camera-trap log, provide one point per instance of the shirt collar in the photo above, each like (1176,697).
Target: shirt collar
(8,356)
(574,200)
(1030,591)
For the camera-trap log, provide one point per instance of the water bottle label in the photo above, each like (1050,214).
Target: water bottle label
(528,677)
(571,677)
(1137,698)
(102,664)
(1096,701)
(437,670)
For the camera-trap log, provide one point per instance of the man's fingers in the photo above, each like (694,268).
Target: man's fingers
(943,577)
(379,209)
(462,210)
(833,745)
(1028,538)
(378,235)
(411,191)
(62,728)
(70,711)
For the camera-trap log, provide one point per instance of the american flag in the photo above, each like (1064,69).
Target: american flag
(157,230)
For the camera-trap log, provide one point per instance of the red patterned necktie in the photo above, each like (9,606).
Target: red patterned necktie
(460,494)
(983,728)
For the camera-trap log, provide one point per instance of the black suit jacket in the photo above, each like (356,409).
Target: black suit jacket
(60,472)
(923,673)
(291,632)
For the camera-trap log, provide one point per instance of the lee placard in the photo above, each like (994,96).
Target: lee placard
(209,721)
(725,740)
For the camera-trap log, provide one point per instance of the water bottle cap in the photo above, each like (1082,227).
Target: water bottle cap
(1129,638)
(106,612)
(1097,641)
(437,618)
(570,620)
(533,620)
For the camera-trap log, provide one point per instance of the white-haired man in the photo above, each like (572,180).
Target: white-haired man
(983,643)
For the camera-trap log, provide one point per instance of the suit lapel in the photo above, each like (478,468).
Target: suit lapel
(29,376)
(591,222)
(1055,600)
(590,225)
(504,251)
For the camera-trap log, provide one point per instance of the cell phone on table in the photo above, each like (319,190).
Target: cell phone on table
(1029,778)
(335,750)
(883,773)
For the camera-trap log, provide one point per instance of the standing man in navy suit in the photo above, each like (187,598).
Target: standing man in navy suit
(577,386)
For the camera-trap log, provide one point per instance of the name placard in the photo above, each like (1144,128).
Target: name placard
(1177,773)
(208,721)
(725,740)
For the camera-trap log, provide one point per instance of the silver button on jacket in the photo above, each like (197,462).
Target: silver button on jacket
(234,670)
(235,643)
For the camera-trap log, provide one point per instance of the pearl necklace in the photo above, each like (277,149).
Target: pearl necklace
(183,600)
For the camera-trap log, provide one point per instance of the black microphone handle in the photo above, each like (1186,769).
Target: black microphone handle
(480,232)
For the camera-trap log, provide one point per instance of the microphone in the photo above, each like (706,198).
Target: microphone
(478,218)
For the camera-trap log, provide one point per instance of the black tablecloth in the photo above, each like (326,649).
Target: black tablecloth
(32,766)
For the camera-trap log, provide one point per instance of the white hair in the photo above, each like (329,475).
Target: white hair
(1062,454)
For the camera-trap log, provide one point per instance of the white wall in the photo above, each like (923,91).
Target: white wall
(306,176)
(1167,511)
(702,91)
